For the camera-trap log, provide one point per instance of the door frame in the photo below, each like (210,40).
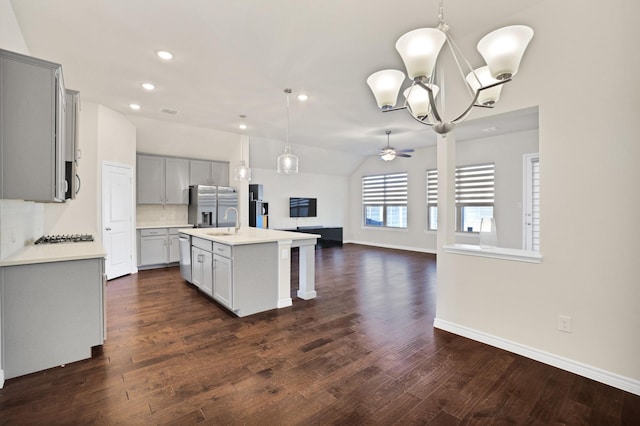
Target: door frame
(527,180)
(134,257)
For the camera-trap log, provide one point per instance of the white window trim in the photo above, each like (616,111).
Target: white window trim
(495,253)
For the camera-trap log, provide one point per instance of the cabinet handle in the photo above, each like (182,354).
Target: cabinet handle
(107,229)
(79,184)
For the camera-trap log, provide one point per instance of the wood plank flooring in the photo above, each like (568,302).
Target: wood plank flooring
(363,352)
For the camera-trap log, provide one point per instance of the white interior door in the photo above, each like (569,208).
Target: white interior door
(117,219)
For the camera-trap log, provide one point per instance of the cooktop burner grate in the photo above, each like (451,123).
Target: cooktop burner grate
(72,238)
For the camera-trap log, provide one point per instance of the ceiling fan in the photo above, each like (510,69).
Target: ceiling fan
(389,153)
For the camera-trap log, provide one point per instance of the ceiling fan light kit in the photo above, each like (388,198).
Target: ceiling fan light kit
(389,153)
(501,49)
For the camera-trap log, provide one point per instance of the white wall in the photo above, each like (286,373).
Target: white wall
(505,151)
(589,203)
(10,34)
(332,193)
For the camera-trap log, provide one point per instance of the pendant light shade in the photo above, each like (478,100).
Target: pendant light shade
(481,77)
(385,86)
(418,99)
(287,163)
(503,48)
(242,170)
(419,50)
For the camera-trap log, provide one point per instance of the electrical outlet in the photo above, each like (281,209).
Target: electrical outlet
(564,323)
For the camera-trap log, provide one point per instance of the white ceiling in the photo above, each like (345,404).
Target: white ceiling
(236,57)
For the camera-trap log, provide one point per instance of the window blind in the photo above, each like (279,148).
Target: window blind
(385,190)
(475,185)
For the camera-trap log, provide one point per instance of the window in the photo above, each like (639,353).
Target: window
(384,200)
(474,196)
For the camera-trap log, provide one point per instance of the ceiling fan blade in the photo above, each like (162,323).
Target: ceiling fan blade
(400,154)
(404,150)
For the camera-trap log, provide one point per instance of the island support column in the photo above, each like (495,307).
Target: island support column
(284,273)
(306,289)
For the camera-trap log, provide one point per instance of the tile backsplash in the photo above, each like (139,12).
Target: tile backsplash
(21,222)
(153,214)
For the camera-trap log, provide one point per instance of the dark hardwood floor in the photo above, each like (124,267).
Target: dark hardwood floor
(363,352)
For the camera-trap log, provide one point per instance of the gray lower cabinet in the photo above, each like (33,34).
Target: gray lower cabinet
(158,247)
(202,265)
(32,129)
(242,278)
(52,314)
(174,246)
(223,275)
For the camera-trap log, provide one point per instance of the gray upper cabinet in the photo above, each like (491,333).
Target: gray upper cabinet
(162,180)
(32,129)
(176,181)
(205,172)
(71,143)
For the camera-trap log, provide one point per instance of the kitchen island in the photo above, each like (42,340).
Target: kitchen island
(250,271)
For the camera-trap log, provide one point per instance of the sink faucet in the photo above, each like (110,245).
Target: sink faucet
(226,213)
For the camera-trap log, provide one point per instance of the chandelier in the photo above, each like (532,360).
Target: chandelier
(501,49)
(287,162)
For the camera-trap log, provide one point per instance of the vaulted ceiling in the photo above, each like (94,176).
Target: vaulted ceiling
(236,57)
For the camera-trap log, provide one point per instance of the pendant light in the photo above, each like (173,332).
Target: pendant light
(287,162)
(242,170)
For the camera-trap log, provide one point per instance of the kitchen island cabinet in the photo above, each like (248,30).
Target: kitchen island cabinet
(53,309)
(251,269)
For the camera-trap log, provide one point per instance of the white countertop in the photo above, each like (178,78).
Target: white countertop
(183,225)
(44,253)
(247,235)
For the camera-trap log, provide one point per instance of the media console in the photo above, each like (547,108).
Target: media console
(328,236)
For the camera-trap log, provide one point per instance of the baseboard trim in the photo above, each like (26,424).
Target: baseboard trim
(392,246)
(590,372)
(1,379)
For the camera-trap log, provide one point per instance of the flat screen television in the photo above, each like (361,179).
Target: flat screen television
(303,207)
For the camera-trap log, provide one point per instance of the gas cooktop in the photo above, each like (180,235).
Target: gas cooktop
(73,238)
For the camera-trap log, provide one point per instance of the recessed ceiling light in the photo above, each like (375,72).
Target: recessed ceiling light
(134,107)
(302,97)
(148,86)
(164,54)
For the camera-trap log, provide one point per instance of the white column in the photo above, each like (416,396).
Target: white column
(446,190)
(307,276)
(284,273)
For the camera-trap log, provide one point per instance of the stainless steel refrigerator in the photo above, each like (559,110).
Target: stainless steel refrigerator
(208,205)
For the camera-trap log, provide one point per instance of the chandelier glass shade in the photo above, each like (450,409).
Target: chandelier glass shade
(287,162)
(502,50)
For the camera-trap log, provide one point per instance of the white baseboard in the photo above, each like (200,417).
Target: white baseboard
(1,378)
(597,374)
(392,246)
